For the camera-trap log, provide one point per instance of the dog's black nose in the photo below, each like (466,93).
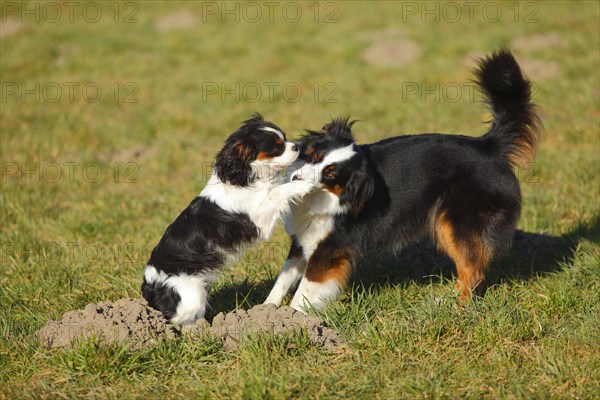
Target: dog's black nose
(294,147)
(295,178)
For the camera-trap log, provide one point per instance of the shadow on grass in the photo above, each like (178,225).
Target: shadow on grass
(531,255)
(243,295)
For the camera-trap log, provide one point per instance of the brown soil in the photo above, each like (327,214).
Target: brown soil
(390,49)
(178,20)
(129,155)
(541,41)
(230,328)
(133,321)
(10,27)
(538,70)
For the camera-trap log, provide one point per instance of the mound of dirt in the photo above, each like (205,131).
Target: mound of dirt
(124,320)
(230,328)
(133,321)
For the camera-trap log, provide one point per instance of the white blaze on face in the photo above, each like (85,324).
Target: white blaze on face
(312,172)
(275,131)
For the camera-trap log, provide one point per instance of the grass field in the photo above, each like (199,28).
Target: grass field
(111,116)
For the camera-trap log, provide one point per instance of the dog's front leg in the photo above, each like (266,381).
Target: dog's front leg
(290,274)
(326,275)
(291,190)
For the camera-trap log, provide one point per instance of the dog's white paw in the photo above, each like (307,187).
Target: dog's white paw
(439,300)
(302,188)
(300,309)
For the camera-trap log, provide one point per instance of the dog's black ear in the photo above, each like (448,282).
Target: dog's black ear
(233,162)
(256,118)
(359,189)
(340,127)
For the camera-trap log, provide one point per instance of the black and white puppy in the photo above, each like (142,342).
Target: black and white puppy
(240,205)
(460,191)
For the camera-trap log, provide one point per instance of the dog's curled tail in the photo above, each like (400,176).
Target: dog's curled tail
(516,126)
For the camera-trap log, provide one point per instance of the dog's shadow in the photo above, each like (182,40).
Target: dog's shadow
(531,255)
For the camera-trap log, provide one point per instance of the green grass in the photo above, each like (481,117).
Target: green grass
(65,244)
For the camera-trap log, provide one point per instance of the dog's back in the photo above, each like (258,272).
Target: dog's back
(461,191)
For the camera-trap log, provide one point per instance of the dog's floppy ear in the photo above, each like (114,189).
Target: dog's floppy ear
(233,162)
(359,189)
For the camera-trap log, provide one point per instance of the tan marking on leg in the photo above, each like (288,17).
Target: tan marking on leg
(470,257)
(336,267)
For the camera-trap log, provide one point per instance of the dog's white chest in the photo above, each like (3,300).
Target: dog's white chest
(308,227)
(256,201)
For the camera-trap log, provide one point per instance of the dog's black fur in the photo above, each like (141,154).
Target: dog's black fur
(194,243)
(461,191)
(232,163)
(227,216)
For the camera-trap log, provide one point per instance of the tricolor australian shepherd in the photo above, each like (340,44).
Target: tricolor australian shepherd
(239,206)
(460,191)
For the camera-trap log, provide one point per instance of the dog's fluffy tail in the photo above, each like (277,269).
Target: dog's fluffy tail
(516,126)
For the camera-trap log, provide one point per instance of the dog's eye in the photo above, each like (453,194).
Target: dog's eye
(330,171)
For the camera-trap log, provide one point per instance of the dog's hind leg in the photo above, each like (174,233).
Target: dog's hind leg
(193,294)
(290,274)
(469,252)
